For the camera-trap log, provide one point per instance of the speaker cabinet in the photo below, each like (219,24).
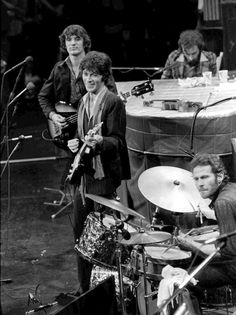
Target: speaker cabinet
(101,300)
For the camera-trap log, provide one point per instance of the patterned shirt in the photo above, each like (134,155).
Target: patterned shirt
(77,86)
(179,68)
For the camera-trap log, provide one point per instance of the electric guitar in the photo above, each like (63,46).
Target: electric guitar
(60,135)
(78,165)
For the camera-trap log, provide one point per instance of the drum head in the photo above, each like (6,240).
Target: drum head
(204,237)
(164,253)
(205,233)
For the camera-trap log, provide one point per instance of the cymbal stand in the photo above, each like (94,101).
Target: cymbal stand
(145,280)
(187,280)
(120,274)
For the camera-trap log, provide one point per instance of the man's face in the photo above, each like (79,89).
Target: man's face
(191,54)
(74,45)
(93,81)
(205,180)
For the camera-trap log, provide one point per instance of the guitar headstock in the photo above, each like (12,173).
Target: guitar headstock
(142,88)
(95,129)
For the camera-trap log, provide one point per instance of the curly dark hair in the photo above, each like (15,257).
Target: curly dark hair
(78,31)
(190,38)
(98,62)
(213,160)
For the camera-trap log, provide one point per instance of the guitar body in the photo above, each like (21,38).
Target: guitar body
(81,160)
(60,135)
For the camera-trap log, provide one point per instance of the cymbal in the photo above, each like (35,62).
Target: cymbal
(146,237)
(170,188)
(114,204)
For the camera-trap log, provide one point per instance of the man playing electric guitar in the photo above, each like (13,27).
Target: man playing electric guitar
(109,154)
(65,84)
(81,161)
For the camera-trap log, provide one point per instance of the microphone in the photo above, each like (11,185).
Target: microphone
(41,307)
(120,226)
(18,79)
(27,59)
(29,86)
(22,137)
(220,238)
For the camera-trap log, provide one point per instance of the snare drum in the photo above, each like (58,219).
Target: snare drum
(98,242)
(157,257)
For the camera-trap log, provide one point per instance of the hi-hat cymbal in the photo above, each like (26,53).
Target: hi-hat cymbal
(170,188)
(114,204)
(146,237)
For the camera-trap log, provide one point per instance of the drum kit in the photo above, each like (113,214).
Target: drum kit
(137,252)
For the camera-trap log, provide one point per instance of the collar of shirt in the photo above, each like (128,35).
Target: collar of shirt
(91,101)
(182,59)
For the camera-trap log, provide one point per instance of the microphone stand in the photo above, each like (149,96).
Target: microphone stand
(187,279)
(19,139)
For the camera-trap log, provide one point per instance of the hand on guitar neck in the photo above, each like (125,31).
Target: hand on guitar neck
(91,140)
(58,119)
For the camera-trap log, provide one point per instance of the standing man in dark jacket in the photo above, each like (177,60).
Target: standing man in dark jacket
(108,157)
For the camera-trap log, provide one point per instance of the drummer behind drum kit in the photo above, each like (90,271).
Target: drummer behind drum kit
(134,252)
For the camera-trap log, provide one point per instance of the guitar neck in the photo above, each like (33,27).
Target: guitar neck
(71,119)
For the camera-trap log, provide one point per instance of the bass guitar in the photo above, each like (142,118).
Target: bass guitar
(78,165)
(60,135)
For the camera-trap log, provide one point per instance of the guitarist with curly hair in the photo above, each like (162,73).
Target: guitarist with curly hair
(101,132)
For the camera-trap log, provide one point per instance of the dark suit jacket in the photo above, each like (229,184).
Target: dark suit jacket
(113,151)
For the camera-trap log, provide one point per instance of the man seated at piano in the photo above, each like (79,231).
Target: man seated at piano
(190,59)
(212,181)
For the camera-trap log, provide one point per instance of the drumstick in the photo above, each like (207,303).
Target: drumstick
(189,232)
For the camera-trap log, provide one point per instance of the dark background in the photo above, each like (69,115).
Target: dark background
(138,33)
(135,33)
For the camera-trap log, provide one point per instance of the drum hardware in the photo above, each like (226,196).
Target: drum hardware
(156,217)
(176,189)
(120,277)
(146,294)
